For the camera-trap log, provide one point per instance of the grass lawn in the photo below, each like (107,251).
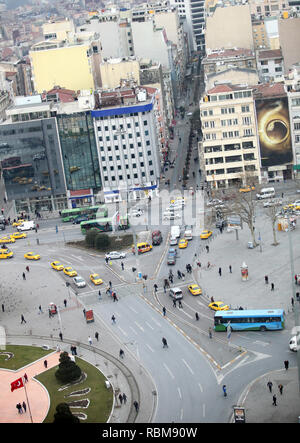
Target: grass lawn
(101,398)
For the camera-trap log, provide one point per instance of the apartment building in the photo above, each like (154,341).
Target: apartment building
(268,8)
(270,65)
(127,143)
(229,150)
(292,83)
(222,59)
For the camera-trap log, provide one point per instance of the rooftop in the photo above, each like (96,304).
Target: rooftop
(229,53)
(227,88)
(269,90)
(269,54)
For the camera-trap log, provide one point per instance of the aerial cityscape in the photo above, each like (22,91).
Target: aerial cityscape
(150,211)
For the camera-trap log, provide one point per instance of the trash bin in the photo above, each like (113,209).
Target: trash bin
(250,245)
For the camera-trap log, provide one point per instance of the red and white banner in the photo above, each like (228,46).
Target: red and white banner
(17,384)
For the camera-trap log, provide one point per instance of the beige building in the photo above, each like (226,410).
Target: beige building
(289,35)
(113,70)
(58,30)
(260,35)
(234,76)
(268,7)
(229,27)
(229,151)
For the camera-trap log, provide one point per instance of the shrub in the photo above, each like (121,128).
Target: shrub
(90,237)
(102,241)
(68,370)
(64,415)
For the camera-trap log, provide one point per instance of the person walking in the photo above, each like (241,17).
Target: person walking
(164,311)
(286,364)
(220,272)
(197,316)
(60,335)
(90,340)
(179,304)
(83,312)
(110,284)
(27,268)
(25,377)
(280,387)
(115,298)
(40,310)
(136,405)
(24,406)
(121,398)
(2,307)
(224,390)
(121,353)
(230,269)
(174,303)
(266,280)
(97,336)
(124,398)
(99,295)
(45,363)
(113,319)
(23,319)
(210,332)
(65,303)
(272,286)
(24,276)
(292,301)
(155,287)
(274,400)
(207,248)
(19,407)
(270,385)
(122,265)
(164,342)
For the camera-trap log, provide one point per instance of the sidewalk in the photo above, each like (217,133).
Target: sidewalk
(258,400)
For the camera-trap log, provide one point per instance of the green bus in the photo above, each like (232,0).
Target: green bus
(91,212)
(103,224)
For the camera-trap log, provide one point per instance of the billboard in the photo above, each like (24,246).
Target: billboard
(274,131)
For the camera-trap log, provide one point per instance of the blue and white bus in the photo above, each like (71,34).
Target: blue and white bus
(249,320)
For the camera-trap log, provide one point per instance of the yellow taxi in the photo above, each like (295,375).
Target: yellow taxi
(7,239)
(57,265)
(247,189)
(182,244)
(194,289)
(142,247)
(18,222)
(6,253)
(95,278)
(218,306)
(70,271)
(17,235)
(32,256)
(205,234)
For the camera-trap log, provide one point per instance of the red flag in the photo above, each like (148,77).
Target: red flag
(16,384)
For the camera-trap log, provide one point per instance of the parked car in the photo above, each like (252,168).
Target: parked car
(115,255)
(79,282)
(173,241)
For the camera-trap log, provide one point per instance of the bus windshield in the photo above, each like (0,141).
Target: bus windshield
(249,320)
(104,224)
(99,211)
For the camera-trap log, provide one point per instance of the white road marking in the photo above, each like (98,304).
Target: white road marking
(189,368)
(139,326)
(149,326)
(200,387)
(156,322)
(133,330)
(123,332)
(149,347)
(169,371)
(203,410)
(179,393)
(133,310)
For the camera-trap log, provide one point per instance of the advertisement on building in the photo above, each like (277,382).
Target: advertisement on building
(274,131)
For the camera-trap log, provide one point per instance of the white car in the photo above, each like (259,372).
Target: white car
(272,203)
(173,241)
(171,217)
(293,343)
(136,212)
(79,282)
(115,254)
(214,202)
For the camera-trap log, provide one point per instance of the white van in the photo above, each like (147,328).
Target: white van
(26,226)
(266,193)
(175,231)
(188,233)
(176,293)
(294,343)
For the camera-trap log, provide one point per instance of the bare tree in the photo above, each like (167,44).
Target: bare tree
(271,213)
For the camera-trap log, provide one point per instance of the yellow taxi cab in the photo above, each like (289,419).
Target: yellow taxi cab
(5,253)
(205,234)
(7,239)
(182,244)
(17,235)
(95,278)
(32,256)
(70,271)
(142,247)
(247,189)
(178,200)
(57,265)
(218,306)
(194,289)
(18,222)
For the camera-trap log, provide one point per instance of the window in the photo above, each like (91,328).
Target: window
(248,132)
(246,120)
(296,126)
(246,108)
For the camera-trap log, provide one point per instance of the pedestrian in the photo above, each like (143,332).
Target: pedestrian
(212,299)
(230,269)
(25,377)
(121,353)
(2,307)
(274,400)
(280,387)
(27,268)
(124,398)
(155,287)
(115,297)
(207,248)
(210,332)
(110,284)
(164,311)
(83,312)
(97,336)
(286,364)
(296,279)
(40,310)
(297,296)
(179,304)
(65,303)
(72,349)
(113,319)
(60,335)
(24,276)
(266,279)
(208,265)
(75,350)
(121,398)
(224,390)
(272,286)
(50,314)
(122,265)
(170,278)
(23,319)
(270,384)
(220,272)
(99,295)
(90,340)
(292,301)
(24,406)
(136,405)
(197,316)
(19,407)
(164,342)
(179,274)
(45,363)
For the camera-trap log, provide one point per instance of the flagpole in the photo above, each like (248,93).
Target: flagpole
(28,403)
